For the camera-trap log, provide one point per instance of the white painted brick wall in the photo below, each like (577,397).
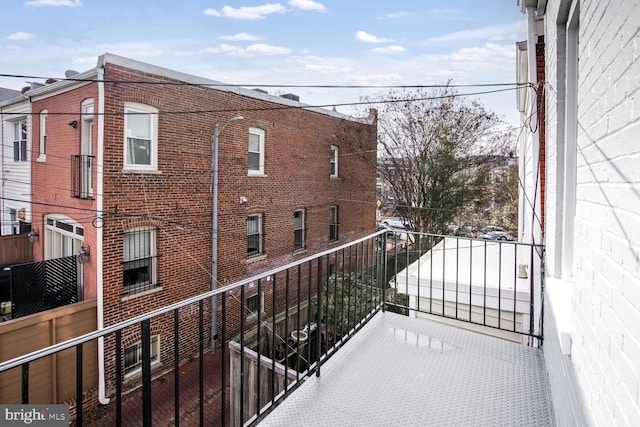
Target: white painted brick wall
(606,282)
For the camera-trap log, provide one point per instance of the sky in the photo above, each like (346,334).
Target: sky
(276,42)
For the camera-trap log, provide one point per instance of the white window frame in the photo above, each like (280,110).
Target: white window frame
(22,144)
(260,251)
(62,236)
(152,281)
(571,141)
(154,344)
(135,108)
(43,136)
(261,137)
(333,162)
(298,225)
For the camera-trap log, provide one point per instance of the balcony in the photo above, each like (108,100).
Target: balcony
(82,176)
(412,329)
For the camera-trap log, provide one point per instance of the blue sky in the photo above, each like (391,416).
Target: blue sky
(252,42)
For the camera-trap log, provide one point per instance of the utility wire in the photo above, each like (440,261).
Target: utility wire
(237,85)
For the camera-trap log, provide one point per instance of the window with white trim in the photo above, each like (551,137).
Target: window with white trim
(20,141)
(334,162)
(133,355)
(333,223)
(62,236)
(298,230)
(141,137)
(43,135)
(254,235)
(256,151)
(139,270)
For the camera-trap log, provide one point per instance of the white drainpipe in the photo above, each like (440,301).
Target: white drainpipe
(102,397)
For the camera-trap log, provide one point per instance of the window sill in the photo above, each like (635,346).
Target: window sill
(334,242)
(127,296)
(138,372)
(256,258)
(147,171)
(334,177)
(258,175)
(300,251)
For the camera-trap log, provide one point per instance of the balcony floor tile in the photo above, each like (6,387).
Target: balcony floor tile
(403,371)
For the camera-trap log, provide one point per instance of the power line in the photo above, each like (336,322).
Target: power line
(270,85)
(276,108)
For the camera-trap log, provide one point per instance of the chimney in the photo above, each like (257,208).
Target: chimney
(291,96)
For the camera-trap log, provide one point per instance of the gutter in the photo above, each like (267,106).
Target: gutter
(102,398)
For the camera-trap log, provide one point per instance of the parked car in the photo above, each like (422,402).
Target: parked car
(497,235)
(394,226)
(394,222)
(490,228)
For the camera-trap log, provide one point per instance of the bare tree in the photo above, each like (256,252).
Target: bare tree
(430,146)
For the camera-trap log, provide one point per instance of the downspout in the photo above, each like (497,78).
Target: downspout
(102,398)
(536,231)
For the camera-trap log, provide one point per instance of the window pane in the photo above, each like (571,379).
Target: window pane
(254,161)
(138,125)
(254,143)
(137,245)
(137,272)
(138,151)
(253,236)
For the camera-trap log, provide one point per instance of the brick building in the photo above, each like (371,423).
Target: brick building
(293,181)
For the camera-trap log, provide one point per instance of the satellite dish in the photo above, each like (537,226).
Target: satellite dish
(70,73)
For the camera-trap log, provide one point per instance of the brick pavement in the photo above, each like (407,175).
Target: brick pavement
(162,392)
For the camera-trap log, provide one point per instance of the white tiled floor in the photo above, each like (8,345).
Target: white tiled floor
(409,372)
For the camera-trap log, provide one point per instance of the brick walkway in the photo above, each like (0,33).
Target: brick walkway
(162,392)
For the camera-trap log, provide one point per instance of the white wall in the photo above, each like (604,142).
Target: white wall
(16,176)
(604,275)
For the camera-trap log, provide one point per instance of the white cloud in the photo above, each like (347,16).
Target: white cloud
(369,38)
(250,13)
(308,5)
(55,3)
(265,49)
(326,68)
(395,15)
(257,49)
(241,37)
(484,33)
(491,56)
(388,50)
(21,35)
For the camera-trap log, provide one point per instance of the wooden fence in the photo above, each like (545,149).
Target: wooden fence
(51,379)
(285,322)
(15,248)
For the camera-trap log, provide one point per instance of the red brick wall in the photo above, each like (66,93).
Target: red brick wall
(51,179)
(178,199)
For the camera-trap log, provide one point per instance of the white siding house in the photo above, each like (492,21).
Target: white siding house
(592,207)
(15,165)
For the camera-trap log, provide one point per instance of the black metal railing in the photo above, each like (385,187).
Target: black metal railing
(269,332)
(82,176)
(493,284)
(40,286)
